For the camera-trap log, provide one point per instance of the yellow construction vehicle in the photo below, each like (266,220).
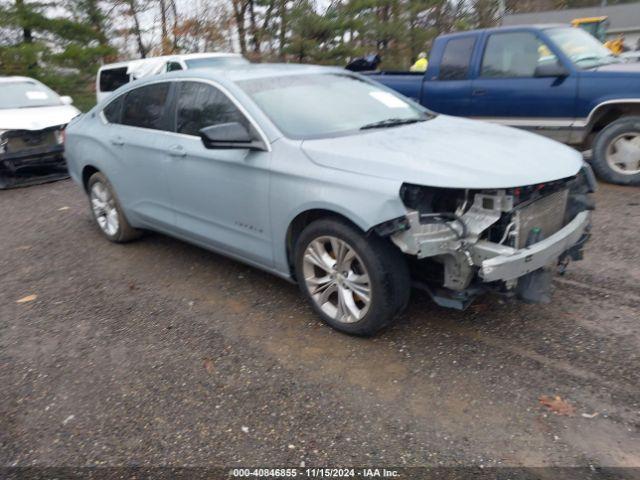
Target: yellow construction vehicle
(596,26)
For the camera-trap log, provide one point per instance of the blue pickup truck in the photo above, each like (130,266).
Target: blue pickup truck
(552,79)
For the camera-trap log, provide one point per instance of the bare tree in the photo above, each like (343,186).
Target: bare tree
(133,9)
(240,8)
(207,27)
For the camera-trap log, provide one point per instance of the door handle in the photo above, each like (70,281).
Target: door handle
(117,141)
(177,151)
(479,92)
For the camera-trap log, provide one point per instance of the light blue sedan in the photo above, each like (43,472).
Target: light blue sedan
(326,178)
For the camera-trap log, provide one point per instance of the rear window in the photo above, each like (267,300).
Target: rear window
(146,107)
(113,78)
(113,111)
(456,58)
(173,67)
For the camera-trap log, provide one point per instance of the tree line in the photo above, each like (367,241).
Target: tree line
(63,42)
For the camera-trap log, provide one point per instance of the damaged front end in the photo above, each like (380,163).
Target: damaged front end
(465,242)
(31,156)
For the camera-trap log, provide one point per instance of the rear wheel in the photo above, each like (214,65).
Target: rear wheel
(616,152)
(107,212)
(356,283)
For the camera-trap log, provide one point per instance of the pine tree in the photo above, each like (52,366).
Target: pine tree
(62,50)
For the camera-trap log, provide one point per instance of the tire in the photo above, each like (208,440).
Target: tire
(369,257)
(107,212)
(605,152)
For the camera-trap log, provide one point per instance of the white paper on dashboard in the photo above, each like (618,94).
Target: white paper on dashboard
(35,95)
(389,99)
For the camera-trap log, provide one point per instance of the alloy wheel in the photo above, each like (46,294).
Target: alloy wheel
(337,279)
(104,209)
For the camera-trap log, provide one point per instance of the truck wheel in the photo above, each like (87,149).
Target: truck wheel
(107,212)
(616,152)
(356,283)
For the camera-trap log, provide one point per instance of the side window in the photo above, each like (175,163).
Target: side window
(201,105)
(456,59)
(173,66)
(145,107)
(113,78)
(112,112)
(516,54)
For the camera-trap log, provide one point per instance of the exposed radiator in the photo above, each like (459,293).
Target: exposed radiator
(547,214)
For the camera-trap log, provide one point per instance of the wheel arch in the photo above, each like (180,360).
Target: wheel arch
(87,171)
(607,112)
(304,218)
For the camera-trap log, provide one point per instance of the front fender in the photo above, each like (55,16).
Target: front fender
(364,205)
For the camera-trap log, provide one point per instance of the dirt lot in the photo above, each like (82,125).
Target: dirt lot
(158,352)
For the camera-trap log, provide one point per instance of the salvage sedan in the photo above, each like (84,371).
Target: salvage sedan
(328,179)
(32,121)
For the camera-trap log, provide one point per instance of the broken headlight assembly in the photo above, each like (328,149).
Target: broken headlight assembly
(452,233)
(3,141)
(59,135)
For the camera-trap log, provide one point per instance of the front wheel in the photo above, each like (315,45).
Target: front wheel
(616,152)
(356,283)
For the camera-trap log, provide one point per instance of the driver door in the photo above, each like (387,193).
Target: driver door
(511,87)
(221,196)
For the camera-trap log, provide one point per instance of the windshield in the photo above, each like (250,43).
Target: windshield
(584,50)
(26,94)
(322,105)
(208,62)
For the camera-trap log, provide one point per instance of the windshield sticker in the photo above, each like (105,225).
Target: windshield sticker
(389,99)
(35,95)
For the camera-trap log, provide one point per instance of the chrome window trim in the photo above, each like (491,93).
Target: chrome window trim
(214,84)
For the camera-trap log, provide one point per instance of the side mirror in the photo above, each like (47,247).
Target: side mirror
(66,100)
(554,69)
(229,135)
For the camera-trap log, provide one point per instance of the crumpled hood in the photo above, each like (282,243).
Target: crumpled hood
(36,118)
(449,152)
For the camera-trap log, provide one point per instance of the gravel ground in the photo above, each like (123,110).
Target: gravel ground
(161,353)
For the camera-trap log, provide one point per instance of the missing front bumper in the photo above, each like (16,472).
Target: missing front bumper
(514,264)
(38,166)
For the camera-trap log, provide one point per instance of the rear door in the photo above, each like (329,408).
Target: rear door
(447,87)
(221,196)
(143,138)
(509,87)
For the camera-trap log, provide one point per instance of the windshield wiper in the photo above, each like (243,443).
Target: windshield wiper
(38,106)
(391,122)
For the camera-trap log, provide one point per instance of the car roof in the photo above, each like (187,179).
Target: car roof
(178,56)
(17,78)
(251,71)
(248,72)
(538,26)
(231,75)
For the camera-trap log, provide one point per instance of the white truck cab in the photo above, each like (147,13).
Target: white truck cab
(114,75)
